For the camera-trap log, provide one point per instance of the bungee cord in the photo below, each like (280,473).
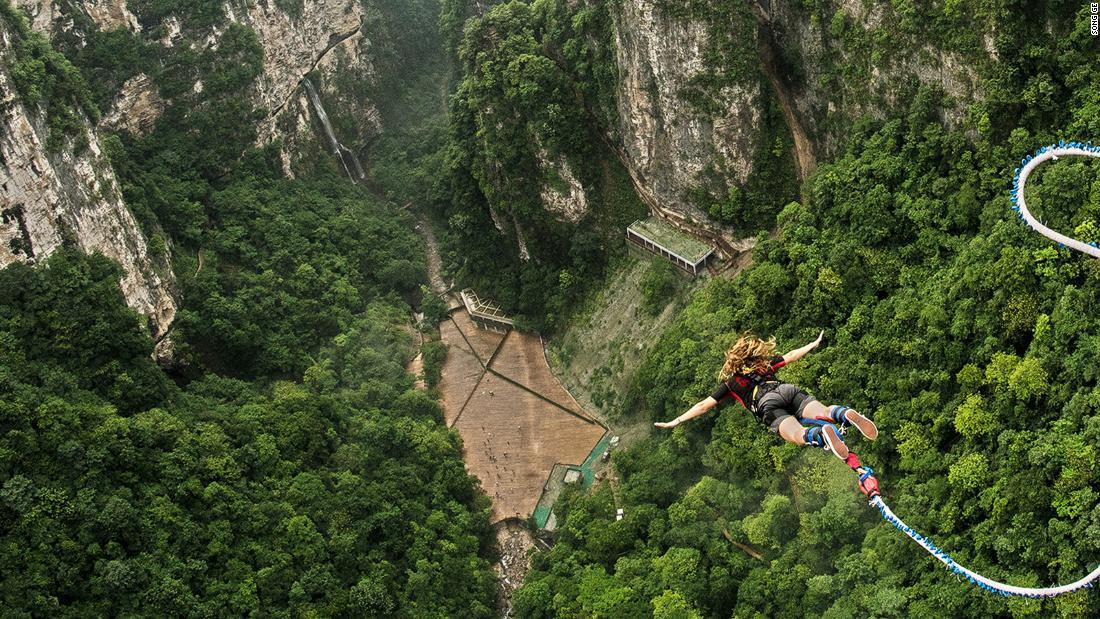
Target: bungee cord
(867,482)
(986,584)
(1027,166)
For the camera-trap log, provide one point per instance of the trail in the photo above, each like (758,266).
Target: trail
(435,263)
(438,286)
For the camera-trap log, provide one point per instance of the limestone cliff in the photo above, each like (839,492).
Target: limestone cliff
(51,199)
(823,67)
(49,16)
(136,108)
(563,195)
(858,58)
(326,39)
(667,143)
(73,197)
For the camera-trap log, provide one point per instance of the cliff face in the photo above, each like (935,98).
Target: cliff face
(136,108)
(667,142)
(326,39)
(859,58)
(67,197)
(50,199)
(850,58)
(50,15)
(564,196)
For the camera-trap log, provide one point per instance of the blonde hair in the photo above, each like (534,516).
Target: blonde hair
(749,353)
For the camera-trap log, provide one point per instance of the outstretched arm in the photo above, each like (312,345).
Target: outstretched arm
(700,407)
(798,353)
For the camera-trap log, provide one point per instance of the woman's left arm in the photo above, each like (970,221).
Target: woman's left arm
(798,353)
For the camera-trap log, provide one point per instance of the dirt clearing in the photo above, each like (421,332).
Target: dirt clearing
(515,419)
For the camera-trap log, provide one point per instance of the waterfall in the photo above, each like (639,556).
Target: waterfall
(343,153)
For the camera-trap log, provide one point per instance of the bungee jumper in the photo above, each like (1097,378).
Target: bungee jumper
(749,377)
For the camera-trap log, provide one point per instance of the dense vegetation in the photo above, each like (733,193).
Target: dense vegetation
(290,469)
(536,101)
(536,94)
(969,340)
(45,78)
(341,494)
(288,265)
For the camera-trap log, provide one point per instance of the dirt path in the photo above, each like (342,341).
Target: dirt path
(416,368)
(515,543)
(435,264)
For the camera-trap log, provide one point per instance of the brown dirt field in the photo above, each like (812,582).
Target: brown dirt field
(460,375)
(521,359)
(483,342)
(450,334)
(512,439)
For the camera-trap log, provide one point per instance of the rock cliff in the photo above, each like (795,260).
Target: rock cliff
(52,199)
(825,66)
(667,143)
(326,39)
(50,15)
(859,58)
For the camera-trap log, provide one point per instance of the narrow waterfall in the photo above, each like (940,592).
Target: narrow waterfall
(347,158)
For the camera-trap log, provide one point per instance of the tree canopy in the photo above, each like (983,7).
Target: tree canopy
(339,494)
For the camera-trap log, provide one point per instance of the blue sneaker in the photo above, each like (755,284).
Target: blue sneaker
(826,437)
(844,417)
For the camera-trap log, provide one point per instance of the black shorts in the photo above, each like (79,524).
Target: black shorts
(784,401)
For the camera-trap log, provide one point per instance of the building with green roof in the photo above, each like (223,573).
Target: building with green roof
(658,237)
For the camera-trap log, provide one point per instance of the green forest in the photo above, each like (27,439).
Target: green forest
(970,340)
(284,464)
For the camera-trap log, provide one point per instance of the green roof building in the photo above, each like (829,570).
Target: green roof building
(658,237)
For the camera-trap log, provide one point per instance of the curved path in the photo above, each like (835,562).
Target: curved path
(1028,165)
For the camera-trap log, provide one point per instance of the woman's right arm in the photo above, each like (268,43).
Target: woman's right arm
(700,407)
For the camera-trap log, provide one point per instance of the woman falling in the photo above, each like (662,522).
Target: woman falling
(748,376)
